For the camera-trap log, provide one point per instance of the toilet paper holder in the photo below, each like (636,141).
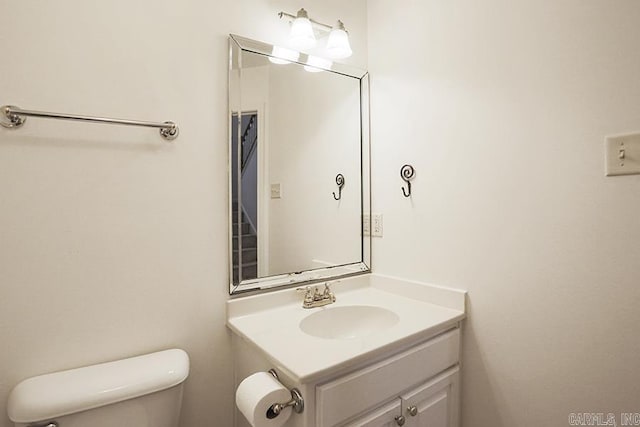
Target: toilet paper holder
(296,402)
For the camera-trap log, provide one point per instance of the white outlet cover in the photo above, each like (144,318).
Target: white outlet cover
(376,225)
(366,224)
(276,191)
(622,154)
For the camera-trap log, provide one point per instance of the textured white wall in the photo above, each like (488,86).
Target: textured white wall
(112,242)
(502,107)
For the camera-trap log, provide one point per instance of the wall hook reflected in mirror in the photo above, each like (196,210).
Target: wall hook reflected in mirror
(340,182)
(406,173)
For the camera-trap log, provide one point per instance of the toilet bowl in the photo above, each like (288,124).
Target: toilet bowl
(142,391)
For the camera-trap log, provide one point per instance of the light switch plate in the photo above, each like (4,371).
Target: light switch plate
(376,225)
(622,155)
(276,191)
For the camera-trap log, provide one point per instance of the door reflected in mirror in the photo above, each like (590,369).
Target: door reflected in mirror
(298,154)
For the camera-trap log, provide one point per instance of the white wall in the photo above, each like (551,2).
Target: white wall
(502,107)
(113,242)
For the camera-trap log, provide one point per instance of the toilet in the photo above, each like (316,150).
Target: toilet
(142,391)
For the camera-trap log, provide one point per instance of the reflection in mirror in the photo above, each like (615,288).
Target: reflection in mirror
(293,132)
(244,163)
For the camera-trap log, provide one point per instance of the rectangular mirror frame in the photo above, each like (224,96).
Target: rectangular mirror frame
(238,44)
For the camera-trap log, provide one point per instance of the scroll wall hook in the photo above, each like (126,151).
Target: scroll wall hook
(340,182)
(406,173)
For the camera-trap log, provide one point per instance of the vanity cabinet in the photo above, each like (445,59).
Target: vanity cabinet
(387,416)
(417,387)
(433,404)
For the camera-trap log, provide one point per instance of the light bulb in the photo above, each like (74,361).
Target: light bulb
(301,36)
(315,64)
(282,55)
(338,46)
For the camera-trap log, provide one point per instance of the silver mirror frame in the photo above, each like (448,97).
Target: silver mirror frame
(237,45)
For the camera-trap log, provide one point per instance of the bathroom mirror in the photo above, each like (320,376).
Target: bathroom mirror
(299,167)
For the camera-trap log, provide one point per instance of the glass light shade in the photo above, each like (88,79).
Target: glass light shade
(315,64)
(282,55)
(338,46)
(301,36)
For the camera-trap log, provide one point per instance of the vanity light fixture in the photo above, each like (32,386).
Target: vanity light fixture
(338,45)
(282,55)
(303,37)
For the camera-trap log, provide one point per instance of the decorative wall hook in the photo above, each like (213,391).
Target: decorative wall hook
(340,182)
(406,173)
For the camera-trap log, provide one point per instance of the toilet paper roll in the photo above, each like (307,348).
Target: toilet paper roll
(256,394)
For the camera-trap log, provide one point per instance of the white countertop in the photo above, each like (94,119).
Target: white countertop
(271,322)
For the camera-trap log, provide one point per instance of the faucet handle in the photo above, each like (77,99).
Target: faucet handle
(328,293)
(308,295)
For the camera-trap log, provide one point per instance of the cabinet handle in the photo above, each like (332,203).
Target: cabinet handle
(412,410)
(400,420)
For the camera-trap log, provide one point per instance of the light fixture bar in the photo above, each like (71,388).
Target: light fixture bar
(320,25)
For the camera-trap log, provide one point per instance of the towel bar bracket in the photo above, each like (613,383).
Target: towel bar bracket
(171,132)
(9,119)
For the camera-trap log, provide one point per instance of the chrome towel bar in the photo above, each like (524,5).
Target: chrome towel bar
(13,118)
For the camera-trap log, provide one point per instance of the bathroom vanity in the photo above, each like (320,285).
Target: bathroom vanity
(386,353)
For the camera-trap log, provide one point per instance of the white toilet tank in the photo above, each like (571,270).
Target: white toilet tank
(142,391)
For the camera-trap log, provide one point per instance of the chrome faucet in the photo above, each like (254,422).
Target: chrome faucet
(315,298)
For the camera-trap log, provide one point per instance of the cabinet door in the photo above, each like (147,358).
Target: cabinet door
(433,404)
(381,417)
(343,398)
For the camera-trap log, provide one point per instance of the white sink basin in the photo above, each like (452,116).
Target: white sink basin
(353,321)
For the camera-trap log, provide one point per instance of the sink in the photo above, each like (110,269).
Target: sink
(352,321)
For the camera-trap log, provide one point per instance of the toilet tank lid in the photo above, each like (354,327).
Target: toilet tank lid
(62,393)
